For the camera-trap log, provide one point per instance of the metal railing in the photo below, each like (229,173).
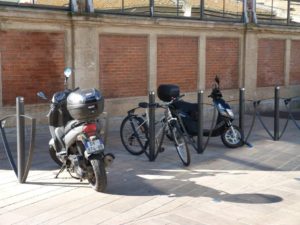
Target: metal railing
(200,146)
(21,169)
(277,12)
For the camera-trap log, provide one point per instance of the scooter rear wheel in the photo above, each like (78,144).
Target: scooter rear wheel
(99,179)
(233,137)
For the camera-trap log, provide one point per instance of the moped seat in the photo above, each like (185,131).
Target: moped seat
(186,107)
(70,125)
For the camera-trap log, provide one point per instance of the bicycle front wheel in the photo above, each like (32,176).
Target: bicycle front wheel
(134,134)
(181,144)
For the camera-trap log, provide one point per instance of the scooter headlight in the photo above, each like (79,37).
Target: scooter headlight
(230,113)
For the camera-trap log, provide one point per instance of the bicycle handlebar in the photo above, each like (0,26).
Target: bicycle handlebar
(146,105)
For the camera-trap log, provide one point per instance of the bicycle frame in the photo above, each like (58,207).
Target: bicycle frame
(136,137)
(165,121)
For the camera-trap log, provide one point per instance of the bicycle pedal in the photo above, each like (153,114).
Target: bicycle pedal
(162,149)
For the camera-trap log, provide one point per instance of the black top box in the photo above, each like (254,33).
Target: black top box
(86,104)
(167,92)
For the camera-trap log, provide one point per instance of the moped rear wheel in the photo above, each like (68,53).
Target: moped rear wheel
(233,137)
(98,180)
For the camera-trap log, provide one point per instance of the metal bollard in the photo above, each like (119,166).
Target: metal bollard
(151,125)
(276,113)
(20,137)
(242,109)
(200,123)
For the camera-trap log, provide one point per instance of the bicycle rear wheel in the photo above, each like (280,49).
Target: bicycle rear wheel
(181,144)
(134,134)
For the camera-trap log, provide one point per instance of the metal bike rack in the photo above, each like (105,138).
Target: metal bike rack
(242,101)
(152,107)
(276,113)
(286,103)
(22,169)
(242,109)
(200,148)
(276,133)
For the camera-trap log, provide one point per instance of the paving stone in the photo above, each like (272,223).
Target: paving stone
(245,186)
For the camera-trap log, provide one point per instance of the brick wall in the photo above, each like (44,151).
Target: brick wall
(177,62)
(123,65)
(295,63)
(222,59)
(270,65)
(30,62)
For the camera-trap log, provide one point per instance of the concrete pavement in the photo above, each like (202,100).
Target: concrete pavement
(244,186)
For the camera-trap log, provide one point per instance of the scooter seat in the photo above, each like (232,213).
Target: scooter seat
(186,107)
(70,125)
(188,112)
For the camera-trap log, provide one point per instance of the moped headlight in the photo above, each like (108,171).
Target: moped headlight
(230,113)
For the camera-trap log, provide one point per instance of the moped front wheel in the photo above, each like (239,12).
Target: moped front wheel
(233,137)
(98,179)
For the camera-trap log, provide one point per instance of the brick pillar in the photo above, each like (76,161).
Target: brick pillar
(287,65)
(86,57)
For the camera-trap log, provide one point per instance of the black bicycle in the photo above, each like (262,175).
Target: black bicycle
(135,136)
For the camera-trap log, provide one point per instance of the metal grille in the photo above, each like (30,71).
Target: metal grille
(224,10)
(59,3)
(183,8)
(123,6)
(278,11)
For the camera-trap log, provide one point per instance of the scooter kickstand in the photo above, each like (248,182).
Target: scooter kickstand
(60,171)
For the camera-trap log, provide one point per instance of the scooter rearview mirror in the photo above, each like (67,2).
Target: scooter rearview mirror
(3,123)
(217,79)
(42,95)
(68,72)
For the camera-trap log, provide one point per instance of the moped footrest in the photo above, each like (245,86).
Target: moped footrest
(61,153)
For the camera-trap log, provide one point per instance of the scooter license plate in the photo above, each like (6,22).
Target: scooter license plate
(94,146)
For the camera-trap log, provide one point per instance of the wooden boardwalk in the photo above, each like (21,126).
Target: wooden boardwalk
(245,186)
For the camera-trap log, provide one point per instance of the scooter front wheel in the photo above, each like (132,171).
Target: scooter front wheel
(232,137)
(53,156)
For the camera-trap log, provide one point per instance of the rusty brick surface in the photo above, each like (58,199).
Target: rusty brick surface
(295,63)
(31,62)
(177,61)
(270,65)
(222,59)
(123,65)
